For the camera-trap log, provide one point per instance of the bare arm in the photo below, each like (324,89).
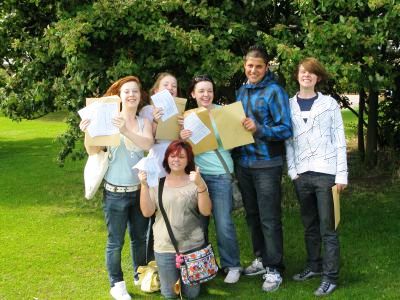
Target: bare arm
(143,140)
(146,205)
(203,198)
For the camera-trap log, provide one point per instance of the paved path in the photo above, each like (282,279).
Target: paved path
(353,99)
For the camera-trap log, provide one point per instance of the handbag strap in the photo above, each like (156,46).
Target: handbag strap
(164,214)
(223,162)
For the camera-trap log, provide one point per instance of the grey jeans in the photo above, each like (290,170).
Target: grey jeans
(314,192)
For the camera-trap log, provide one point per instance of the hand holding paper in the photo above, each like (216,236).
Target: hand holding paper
(199,131)
(88,114)
(100,116)
(165,101)
(232,131)
(150,166)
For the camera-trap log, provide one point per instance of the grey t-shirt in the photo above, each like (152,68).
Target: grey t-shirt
(181,206)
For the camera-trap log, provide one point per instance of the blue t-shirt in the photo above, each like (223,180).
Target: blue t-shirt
(305,106)
(209,162)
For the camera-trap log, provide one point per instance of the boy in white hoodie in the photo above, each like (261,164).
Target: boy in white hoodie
(316,158)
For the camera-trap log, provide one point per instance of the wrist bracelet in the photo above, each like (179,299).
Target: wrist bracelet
(206,189)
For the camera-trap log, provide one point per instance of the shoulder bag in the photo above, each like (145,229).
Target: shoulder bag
(236,194)
(93,174)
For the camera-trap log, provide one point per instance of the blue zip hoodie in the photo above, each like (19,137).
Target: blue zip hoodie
(267,103)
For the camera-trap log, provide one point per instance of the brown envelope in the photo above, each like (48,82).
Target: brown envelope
(169,130)
(336,204)
(209,142)
(228,120)
(103,140)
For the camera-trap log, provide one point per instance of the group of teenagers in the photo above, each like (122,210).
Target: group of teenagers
(306,130)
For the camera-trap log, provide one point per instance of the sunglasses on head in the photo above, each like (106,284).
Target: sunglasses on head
(204,77)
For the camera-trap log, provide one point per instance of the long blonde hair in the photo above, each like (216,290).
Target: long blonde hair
(156,84)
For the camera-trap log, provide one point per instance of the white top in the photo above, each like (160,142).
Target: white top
(158,149)
(318,145)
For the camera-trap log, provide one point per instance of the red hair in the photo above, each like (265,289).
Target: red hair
(176,147)
(115,89)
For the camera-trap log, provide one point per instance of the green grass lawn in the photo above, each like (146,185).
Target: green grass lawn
(52,240)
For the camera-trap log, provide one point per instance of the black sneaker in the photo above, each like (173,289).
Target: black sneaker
(306,274)
(325,288)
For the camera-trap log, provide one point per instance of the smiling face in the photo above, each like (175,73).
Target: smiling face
(168,83)
(255,69)
(203,93)
(307,80)
(178,160)
(130,94)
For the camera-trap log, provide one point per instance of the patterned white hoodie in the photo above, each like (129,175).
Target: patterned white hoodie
(318,145)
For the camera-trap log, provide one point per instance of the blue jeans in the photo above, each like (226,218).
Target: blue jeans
(314,192)
(122,210)
(220,190)
(169,274)
(261,193)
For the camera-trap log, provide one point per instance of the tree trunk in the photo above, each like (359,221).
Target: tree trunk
(372,130)
(360,125)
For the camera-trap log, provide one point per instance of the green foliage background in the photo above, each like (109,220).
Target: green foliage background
(57,53)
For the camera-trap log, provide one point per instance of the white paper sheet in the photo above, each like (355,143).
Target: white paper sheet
(100,116)
(150,166)
(197,127)
(165,101)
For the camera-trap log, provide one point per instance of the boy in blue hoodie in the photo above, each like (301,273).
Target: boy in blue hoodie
(259,165)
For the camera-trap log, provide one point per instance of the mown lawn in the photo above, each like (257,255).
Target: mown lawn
(52,240)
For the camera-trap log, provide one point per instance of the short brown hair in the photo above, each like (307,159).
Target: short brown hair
(312,65)
(176,147)
(115,89)
(257,51)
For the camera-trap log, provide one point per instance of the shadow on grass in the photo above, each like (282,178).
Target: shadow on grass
(31,175)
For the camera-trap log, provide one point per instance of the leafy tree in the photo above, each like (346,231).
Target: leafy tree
(57,54)
(352,39)
(76,51)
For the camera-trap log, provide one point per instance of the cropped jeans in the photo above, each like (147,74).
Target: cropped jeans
(220,190)
(261,193)
(314,192)
(169,274)
(122,210)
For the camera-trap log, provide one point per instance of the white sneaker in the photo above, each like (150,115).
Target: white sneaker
(256,268)
(119,292)
(232,276)
(325,288)
(136,282)
(272,280)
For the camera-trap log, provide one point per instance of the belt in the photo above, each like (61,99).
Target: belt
(120,189)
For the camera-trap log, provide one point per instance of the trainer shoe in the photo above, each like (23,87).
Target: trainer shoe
(119,292)
(256,268)
(272,280)
(325,288)
(232,276)
(306,274)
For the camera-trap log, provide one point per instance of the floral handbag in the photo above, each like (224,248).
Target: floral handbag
(197,266)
